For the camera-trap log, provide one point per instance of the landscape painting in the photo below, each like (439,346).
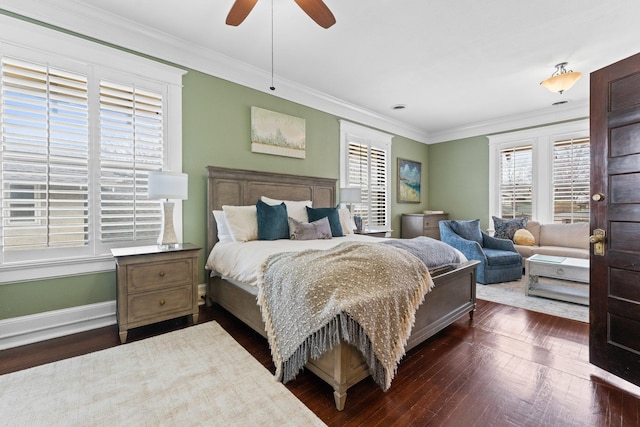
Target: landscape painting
(409,177)
(277,134)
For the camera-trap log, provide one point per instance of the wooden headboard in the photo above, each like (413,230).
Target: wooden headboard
(238,187)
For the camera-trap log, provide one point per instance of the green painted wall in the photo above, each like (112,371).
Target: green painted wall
(216,131)
(19,299)
(459,178)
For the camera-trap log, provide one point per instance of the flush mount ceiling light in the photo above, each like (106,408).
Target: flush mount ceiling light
(561,79)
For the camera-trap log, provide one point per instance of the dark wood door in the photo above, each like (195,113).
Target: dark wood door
(615,174)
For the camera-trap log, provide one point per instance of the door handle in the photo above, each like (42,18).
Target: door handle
(598,241)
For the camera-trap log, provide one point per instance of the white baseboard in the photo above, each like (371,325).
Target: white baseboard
(24,330)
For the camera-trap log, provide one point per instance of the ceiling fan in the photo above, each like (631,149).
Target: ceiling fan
(316,9)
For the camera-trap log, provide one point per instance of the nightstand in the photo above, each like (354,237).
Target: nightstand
(155,284)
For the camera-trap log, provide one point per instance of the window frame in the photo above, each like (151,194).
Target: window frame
(542,140)
(352,132)
(30,42)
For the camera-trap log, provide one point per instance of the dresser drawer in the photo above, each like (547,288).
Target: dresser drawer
(155,304)
(159,275)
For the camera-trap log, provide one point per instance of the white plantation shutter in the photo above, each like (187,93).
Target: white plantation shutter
(571,175)
(81,126)
(45,154)
(377,194)
(74,159)
(131,145)
(367,167)
(516,181)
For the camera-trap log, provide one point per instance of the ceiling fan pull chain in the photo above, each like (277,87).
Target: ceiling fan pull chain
(272,87)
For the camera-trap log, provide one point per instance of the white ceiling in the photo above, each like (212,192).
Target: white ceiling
(461,67)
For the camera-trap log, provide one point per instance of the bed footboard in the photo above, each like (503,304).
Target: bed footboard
(453,296)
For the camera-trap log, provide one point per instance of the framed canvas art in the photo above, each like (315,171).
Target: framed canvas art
(409,178)
(277,133)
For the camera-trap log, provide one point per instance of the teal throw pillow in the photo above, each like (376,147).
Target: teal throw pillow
(506,228)
(273,222)
(332,215)
(469,230)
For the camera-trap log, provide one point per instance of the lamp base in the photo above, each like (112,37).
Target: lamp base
(167,238)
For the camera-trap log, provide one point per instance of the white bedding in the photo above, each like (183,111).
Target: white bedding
(240,261)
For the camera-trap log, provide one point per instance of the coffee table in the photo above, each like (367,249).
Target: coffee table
(560,278)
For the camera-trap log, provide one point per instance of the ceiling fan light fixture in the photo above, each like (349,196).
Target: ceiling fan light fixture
(561,79)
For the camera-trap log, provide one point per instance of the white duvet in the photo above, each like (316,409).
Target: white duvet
(241,261)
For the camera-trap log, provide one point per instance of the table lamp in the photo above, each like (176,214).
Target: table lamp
(167,185)
(349,196)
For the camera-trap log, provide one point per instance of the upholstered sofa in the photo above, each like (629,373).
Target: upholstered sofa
(569,240)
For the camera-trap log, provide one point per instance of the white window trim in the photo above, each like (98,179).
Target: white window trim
(374,138)
(25,40)
(542,140)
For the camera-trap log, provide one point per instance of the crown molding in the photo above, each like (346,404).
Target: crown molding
(572,111)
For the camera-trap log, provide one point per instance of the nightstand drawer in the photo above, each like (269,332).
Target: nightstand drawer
(155,304)
(158,275)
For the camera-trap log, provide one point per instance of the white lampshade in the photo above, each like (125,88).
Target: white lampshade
(168,185)
(350,195)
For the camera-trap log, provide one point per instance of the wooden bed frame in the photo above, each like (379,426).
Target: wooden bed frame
(453,296)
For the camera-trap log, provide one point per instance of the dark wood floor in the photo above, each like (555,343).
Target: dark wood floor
(508,367)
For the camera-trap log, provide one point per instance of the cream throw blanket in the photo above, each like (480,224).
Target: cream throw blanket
(363,293)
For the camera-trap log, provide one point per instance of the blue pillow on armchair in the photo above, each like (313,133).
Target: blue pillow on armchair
(469,230)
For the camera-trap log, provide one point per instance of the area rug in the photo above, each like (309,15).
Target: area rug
(195,376)
(512,293)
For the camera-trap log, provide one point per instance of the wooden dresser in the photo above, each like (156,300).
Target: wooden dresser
(414,225)
(155,284)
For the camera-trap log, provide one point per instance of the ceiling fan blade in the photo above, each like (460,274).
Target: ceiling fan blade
(318,11)
(239,11)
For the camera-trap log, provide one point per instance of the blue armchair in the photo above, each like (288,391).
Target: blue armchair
(499,260)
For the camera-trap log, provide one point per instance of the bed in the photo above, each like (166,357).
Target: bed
(452,297)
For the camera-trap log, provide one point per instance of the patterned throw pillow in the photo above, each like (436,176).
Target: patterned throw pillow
(506,228)
(319,229)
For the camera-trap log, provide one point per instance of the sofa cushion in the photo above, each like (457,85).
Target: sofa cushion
(533,227)
(469,230)
(499,257)
(526,251)
(574,235)
(562,251)
(506,228)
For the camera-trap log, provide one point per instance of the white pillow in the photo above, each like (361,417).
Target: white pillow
(224,234)
(242,221)
(295,209)
(346,221)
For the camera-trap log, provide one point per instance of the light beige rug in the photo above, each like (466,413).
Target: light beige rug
(512,293)
(195,376)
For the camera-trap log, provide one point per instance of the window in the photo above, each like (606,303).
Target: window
(365,164)
(541,173)
(77,141)
(516,181)
(571,166)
